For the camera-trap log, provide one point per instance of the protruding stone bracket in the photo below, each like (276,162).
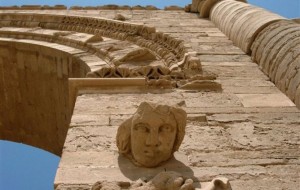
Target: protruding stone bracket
(82,85)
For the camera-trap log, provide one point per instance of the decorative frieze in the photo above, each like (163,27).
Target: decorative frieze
(171,50)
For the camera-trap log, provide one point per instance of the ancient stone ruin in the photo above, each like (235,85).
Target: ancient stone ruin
(152,134)
(213,89)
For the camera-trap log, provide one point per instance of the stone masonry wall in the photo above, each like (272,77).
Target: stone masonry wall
(271,40)
(249,132)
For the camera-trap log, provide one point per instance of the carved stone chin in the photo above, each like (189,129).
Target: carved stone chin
(152,134)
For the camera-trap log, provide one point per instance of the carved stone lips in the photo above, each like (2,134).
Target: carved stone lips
(150,153)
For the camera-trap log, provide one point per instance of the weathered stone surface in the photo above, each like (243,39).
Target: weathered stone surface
(276,50)
(34,96)
(241,33)
(248,133)
(270,138)
(152,134)
(265,100)
(266,35)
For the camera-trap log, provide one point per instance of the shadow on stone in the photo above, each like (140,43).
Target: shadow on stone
(134,173)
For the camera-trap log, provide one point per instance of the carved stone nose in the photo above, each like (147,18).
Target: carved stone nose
(152,140)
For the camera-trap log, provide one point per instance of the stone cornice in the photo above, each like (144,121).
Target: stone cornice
(168,48)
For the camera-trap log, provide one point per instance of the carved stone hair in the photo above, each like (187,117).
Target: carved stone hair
(124,132)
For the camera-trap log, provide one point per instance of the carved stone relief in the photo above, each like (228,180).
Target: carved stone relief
(164,181)
(148,139)
(152,134)
(139,51)
(170,49)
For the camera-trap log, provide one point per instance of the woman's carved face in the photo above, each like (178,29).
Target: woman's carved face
(152,138)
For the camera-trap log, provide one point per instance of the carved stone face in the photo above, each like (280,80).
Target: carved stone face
(152,138)
(152,134)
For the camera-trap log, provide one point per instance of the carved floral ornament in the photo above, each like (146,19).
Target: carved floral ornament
(175,58)
(160,58)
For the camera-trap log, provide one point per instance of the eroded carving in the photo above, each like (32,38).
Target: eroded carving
(168,48)
(165,181)
(150,72)
(152,134)
(138,55)
(169,180)
(219,184)
(120,17)
(156,55)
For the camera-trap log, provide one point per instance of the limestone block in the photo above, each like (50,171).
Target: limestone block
(265,100)
(91,120)
(297,97)
(225,58)
(203,85)
(120,17)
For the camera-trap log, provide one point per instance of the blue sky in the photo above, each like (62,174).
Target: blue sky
(287,8)
(27,168)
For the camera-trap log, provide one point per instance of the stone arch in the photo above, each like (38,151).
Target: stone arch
(36,67)
(34,107)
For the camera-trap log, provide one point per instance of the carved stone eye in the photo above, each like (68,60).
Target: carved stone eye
(141,127)
(165,128)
